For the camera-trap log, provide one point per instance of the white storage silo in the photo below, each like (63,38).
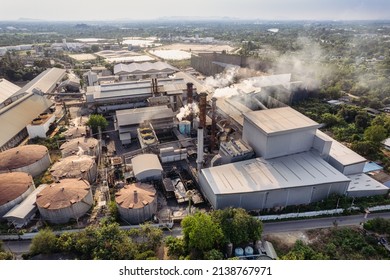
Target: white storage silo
(75,167)
(136,202)
(80,146)
(32,159)
(65,200)
(14,188)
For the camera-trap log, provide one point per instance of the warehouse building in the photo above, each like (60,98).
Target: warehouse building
(20,109)
(7,89)
(296,164)
(267,183)
(133,94)
(146,70)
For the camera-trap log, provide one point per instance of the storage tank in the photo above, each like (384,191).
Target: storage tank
(238,252)
(248,251)
(75,167)
(14,188)
(80,146)
(76,132)
(32,159)
(185,127)
(136,202)
(64,200)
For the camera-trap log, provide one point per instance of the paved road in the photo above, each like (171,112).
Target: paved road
(22,246)
(295,225)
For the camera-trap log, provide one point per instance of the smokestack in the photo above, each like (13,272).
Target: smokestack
(190,93)
(135,196)
(199,159)
(213,123)
(202,109)
(152,87)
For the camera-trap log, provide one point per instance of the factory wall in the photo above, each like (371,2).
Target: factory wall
(259,200)
(346,169)
(37,167)
(75,211)
(11,204)
(277,145)
(41,129)
(365,193)
(138,215)
(204,62)
(150,174)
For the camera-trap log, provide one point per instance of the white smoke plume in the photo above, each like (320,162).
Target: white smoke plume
(224,79)
(187,110)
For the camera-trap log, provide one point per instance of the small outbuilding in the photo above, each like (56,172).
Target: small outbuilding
(147,167)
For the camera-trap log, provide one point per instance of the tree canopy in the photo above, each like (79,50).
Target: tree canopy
(95,121)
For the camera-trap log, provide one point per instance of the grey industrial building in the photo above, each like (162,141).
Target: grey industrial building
(133,94)
(295,164)
(146,70)
(127,121)
(26,104)
(147,167)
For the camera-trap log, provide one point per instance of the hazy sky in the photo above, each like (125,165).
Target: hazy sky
(150,9)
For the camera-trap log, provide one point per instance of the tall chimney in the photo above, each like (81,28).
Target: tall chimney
(190,93)
(153,87)
(202,109)
(199,159)
(213,123)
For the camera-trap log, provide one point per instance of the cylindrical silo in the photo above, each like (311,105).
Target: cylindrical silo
(75,167)
(65,200)
(80,146)
(14,188)
(32,159)
(76,132)
(136,202)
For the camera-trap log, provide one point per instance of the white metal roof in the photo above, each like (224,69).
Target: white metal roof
(146,67)
(341,153)
(7,89)
(303,169)
(145,162)
(22,210)
(17,115)
(280,120)
(139,115)
(46,81)
(363,182)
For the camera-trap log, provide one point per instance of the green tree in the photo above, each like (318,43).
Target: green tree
(213,254)
(201,232)
(45,242)
(362,120)
(375,133)
(238,226)
(176,247)
(95,121)
(148,237)
(365,148)
(4,255)
(330,120)
(95,48)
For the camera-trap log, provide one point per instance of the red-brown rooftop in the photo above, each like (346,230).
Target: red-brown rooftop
(13,184)
(21,156)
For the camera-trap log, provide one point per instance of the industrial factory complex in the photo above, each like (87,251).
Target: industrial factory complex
(171,141)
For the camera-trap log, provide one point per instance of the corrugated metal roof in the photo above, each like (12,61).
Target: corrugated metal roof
(280,120)
(144,162)
(7,89)
(17,115)
(46,81)
(140,68)
(303,169)
(22,210)
(363,182)
(139,115)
